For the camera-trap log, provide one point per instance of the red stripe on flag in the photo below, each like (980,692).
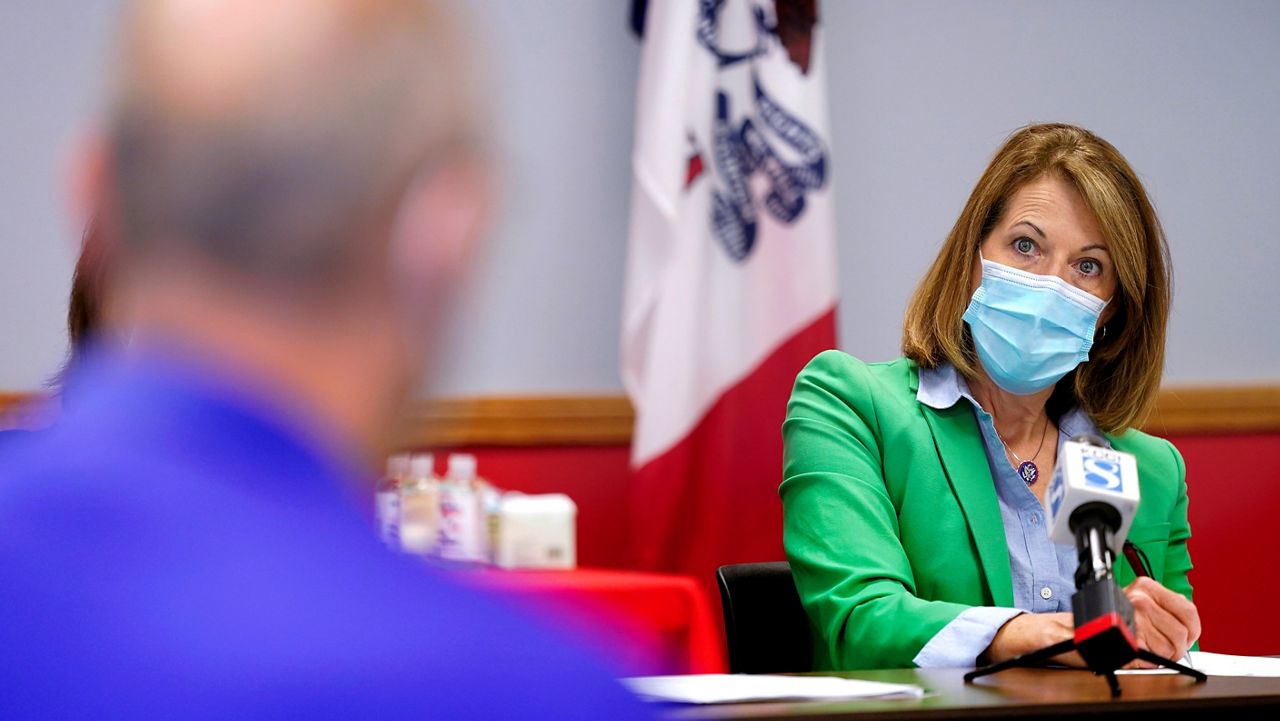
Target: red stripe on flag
(712,498)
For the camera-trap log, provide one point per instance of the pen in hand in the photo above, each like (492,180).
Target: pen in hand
(1137,559)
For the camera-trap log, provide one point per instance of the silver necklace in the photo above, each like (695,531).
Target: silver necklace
(1028,471)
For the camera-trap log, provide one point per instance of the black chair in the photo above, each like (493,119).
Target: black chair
(764,623)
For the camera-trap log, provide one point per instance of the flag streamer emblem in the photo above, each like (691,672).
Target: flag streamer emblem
(741,148)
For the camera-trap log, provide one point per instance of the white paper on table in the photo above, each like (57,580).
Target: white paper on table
(733,688)
(1220,664)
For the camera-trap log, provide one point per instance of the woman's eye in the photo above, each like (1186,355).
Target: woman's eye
(1026,246)
(1090,267)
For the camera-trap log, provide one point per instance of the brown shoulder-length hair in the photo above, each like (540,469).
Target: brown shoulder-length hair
(1117,387)
(84,306)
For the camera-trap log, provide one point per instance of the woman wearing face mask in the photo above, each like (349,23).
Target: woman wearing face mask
(914,490)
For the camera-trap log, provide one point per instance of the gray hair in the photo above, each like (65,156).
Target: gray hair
(278,169)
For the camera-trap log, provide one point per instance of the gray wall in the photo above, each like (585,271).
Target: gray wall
(51,52)
(1188,91)
(922,94)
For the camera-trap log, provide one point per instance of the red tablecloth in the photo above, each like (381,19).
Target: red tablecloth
(646,623)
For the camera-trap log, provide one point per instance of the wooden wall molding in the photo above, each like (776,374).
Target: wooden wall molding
(9,400)
(521,421)
(23,410)
(607,420)
(1204,410)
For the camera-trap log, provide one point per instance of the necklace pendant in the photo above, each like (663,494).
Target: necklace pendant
(1029,473)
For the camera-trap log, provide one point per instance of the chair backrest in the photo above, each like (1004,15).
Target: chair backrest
(766,627)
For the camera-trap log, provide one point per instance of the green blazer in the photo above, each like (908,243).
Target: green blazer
(890,518)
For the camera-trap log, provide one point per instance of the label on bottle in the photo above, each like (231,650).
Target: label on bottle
(388,512)
(420,518)
(460,524)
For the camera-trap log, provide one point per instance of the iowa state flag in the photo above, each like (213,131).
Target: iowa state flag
(731,275)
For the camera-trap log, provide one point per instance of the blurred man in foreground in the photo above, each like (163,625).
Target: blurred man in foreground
(291,188)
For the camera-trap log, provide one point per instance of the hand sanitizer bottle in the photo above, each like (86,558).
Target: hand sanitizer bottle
(420,506)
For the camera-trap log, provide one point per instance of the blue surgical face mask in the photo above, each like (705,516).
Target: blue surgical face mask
(1030,330)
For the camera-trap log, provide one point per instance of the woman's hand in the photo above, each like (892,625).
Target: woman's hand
(1031,632)
(1166,623)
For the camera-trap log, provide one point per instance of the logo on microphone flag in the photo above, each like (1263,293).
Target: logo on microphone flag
(1102,474)
(731,275)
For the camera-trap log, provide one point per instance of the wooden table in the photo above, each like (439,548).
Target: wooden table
(1025,693)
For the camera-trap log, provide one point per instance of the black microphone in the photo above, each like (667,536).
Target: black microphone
(1092,501)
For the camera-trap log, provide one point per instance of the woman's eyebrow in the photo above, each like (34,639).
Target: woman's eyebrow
(1096,246)
(1034,227)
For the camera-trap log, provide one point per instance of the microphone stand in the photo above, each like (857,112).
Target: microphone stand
(1103,618)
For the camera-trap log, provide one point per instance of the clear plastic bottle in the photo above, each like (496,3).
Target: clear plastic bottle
(387,500)
(462,528)
(491,519)
(420,506)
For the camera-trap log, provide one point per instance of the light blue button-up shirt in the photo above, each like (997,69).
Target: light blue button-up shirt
(1042,571)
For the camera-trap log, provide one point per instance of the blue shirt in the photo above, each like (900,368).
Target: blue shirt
(182,544)
(1042,571)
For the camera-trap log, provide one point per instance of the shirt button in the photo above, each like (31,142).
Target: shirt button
(1046,593)
(1034,519)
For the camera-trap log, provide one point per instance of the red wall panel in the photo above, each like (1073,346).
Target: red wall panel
(1233,482)
(595,477)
